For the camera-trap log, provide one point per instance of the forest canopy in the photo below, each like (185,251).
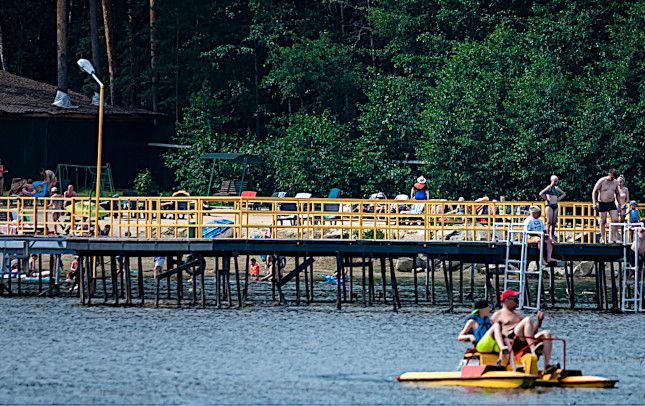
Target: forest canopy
(480,97)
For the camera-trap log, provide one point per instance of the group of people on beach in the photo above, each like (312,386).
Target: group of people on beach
(507,330)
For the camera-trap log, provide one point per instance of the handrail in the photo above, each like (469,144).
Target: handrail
(311,218)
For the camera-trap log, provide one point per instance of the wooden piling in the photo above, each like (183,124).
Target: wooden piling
(396,300)
(363,280)
(246,278)
(306,274)
(80,277)
(471,294)
(88,272)
(446,271)
(180,284)
(383,280)
(237,283)
(311,281)
(433,268)
(216,273)
(426,279)
(114,279)
(140,286)
(371,290)
(52,277)
(297,264)
(227,278)
(351,280)
(342,275)
(614,296)
(40,274)
(416,280)
(552,285)
(461,282)
(103,276)
(339,270)
(128,282)
(193,278)
(202,278)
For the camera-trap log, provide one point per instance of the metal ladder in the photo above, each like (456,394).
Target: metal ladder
(520,274)
(633,303)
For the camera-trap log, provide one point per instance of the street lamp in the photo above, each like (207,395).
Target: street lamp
(86,66)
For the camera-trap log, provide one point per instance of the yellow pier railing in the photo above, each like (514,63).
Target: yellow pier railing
(311,218)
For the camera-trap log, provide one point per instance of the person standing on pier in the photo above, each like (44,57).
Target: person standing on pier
(534,223)
(622,199)
(633,215)
(552,194)
(604,196)
(420,191)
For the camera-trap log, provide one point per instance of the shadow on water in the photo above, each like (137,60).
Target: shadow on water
(56,351)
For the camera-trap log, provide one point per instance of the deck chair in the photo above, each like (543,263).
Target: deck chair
(371,208)
(250,194)
(415,214)
(401,207)
(292,207)
(332,207)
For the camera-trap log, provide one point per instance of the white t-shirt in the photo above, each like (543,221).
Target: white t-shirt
(532,224)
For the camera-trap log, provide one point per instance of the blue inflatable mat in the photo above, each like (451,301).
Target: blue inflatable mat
(214,232)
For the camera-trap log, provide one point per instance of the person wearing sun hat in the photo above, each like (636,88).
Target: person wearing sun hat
(419,191)
(522,331)
(485,336)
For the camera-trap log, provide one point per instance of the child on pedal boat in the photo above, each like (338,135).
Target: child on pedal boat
(485,336)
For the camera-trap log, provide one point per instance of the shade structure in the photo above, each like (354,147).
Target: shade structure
(246,159)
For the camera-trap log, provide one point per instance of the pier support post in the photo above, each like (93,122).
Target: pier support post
(88,272)
(339,276)
(103,277)
(140,286)
(246,278)
(363,280)
(396,301)
(128,281)
(383,280)
(80,277)
(237,283)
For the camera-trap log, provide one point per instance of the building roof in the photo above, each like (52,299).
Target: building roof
(26,97)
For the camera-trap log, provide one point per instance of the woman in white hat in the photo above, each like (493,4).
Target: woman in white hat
(420,191)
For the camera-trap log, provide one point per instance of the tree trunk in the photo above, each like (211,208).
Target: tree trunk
(134,72)
(177,42)
(109,43)
(61,43)
(153,53)
(94,38)
(3,63)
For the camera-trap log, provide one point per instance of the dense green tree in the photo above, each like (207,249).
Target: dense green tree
(494,95)
(310,152)
(389,127)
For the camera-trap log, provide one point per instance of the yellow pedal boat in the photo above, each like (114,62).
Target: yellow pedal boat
(481,370)
(490,379)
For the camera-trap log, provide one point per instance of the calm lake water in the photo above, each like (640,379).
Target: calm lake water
(55,351)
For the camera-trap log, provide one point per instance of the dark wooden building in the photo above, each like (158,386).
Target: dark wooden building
(34,134)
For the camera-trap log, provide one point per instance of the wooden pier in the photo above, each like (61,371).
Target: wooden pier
(443,275)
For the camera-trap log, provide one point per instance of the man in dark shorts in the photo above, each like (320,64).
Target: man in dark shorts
(604,196)
(520,330)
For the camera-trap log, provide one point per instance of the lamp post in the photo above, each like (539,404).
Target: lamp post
(86,66)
